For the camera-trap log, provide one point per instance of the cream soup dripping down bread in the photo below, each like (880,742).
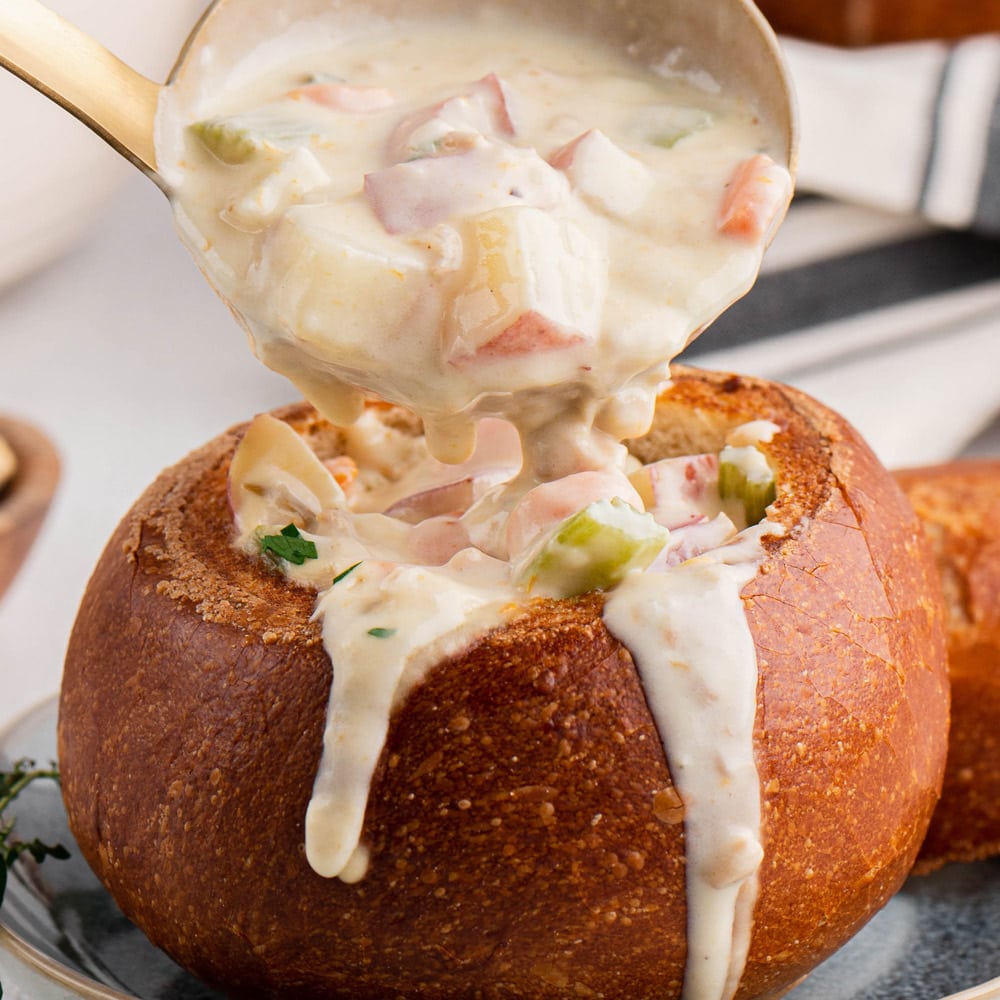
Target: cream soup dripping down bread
(513,241)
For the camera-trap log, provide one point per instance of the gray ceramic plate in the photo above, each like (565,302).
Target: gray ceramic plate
(62,938)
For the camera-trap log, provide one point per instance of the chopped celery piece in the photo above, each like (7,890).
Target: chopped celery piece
(320,77)
(239,138)
(665,125)
(745,476)
(667,140)
(594,549)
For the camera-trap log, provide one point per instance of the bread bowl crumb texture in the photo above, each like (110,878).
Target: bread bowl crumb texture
(525,834)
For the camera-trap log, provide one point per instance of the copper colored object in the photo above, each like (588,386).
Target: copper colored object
(24,501)
(877,22)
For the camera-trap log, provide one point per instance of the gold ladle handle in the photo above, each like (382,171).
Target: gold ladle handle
(75,71)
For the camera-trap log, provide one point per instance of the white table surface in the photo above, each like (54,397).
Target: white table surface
(125,357)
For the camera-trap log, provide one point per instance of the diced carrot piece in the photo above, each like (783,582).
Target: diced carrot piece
(755,199)
(344,469)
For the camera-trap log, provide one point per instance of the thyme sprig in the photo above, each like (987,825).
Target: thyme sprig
(12,783)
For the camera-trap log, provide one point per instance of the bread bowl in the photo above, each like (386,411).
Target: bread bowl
(524,834)
(959,505)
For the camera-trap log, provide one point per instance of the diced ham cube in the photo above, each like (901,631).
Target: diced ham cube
(755,199)
(551,503)
(692,540)
(604,173)
(327,271)
(531,333)
(345,96)
(299,174)
(680,491)
(435,541)
(444,128)
(422,193)
(494,94)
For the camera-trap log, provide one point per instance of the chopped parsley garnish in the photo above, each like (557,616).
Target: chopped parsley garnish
(382,633)
(289,545)
(346,572)
(12,783)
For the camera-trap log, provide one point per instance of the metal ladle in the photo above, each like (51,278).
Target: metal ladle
(728,38)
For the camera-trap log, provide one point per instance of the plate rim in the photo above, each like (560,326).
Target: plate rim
(91,989)
(53,970)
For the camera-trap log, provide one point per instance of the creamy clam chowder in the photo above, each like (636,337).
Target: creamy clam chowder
(511,236)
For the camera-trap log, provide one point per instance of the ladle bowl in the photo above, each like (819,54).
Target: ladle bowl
(728,39)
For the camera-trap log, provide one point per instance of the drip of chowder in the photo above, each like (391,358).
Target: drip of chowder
(513,240)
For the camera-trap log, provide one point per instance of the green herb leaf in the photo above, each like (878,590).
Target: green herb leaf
(347,572)
(382,633)
(289,545)
(12,783)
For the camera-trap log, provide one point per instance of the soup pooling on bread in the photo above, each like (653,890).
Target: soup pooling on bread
(511,235)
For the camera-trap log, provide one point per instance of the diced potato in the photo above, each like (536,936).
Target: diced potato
(755,199)
(534,283)
(294,178)
(345,96)
(329,278)
(604,173)
(420,193)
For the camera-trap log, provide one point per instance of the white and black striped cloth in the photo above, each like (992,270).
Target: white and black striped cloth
(881,294)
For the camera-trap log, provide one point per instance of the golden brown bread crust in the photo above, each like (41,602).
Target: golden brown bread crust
(873,22)
(959,504)
(522,839)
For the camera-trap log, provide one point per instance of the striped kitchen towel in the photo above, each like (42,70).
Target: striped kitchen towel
(881,295)
(911,128)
